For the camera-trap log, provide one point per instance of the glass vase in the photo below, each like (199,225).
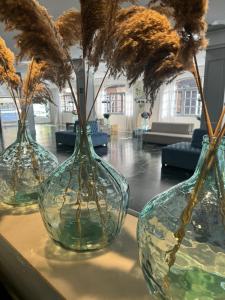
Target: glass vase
(181,234)
(23,167)
(84,202)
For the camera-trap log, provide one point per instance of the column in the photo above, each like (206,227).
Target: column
(81,76)
(31,122)
(214,79)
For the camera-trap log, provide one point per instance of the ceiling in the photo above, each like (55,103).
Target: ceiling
(216,15)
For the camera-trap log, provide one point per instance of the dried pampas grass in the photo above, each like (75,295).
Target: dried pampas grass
(143,43)
(93,18)
(40,72)
(38,36)
(102,35)
(7,70)
(42,94)
(69,27)
(189,18)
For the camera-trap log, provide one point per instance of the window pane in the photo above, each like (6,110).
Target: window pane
(188,94)
(193,110)
(187,103)
(186,111)
(194,94)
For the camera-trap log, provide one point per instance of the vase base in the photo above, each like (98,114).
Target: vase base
(22,199)
(191,284)
(85,235)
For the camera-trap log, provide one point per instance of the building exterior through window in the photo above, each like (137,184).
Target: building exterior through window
(114,100)
(187,98)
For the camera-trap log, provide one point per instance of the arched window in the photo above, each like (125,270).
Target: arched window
(114,100)
(187,98)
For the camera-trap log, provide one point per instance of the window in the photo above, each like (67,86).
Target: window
(41,110)
(67,103)
(114,100)
(187,98)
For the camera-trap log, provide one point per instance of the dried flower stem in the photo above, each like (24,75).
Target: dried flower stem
(96,97)
(200,88)
(77,107)
(27,106)
(86,89)
(11,91)
(218,127)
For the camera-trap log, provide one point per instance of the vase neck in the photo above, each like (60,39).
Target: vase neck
(220,155)
(23,131)
(83,140)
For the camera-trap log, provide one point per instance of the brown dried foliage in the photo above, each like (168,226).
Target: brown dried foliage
(102,31)
(35,81)
(38,36)
(69,27)
(143,43)
(93,18)
(7,70)
(189,17)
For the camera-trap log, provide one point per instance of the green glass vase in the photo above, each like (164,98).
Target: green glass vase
(24,165)
(84,202)
(181,234)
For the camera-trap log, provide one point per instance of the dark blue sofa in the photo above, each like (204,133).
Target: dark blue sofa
(68,137)
(184,155)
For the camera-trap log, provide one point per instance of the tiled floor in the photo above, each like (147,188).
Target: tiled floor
(140,164)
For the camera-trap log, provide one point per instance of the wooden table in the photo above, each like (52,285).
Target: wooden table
(110,274)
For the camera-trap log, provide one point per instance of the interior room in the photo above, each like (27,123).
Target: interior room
(112,149)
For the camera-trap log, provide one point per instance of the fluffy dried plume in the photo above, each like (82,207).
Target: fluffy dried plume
(103,37)
(38,37)
(93,18)
(42,94)
(189,21)
(37,75)
(7,70)
(69,27)
(143,43)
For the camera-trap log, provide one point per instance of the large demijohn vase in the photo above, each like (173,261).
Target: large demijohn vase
(24,165)
(85,200)
(181,234)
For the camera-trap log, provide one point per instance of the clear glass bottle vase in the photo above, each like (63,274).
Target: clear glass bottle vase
(23,167)
(181,234)
(84,202)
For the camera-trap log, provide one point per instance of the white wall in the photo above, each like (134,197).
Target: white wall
(125,122)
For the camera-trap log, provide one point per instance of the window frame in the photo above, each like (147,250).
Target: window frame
(113,105)
(184,98)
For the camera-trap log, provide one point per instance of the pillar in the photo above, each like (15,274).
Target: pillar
(214,79)
(31,122)
(81,76)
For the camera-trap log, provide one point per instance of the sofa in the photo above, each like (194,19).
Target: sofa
(184,155)
(68,137)
(168,133)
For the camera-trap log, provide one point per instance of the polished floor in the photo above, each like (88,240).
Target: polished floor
(140,164)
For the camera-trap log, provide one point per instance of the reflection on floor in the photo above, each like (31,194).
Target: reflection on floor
(140,164)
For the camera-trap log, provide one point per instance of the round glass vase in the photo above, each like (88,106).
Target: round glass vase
(84,202)
(24,165)
(181,234)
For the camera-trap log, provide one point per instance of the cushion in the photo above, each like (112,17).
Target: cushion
(177,128)
(181,155)
(197,138)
